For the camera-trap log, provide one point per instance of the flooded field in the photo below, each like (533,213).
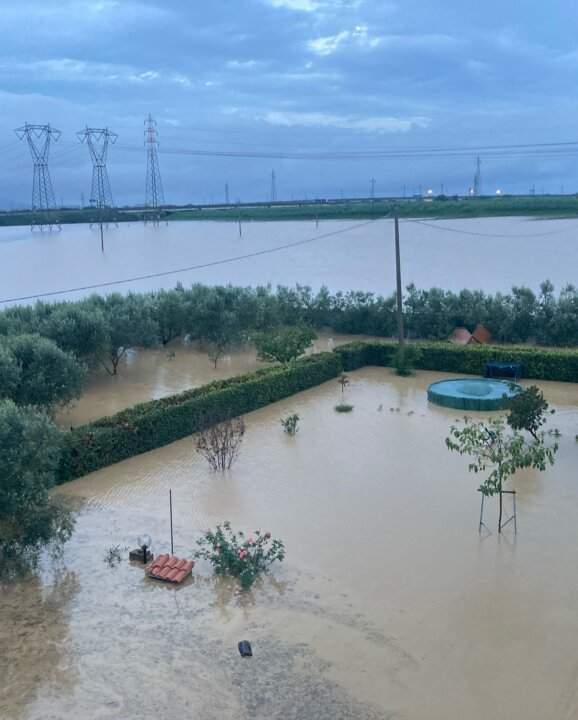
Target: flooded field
(487,253)
(149,374)
(388,605)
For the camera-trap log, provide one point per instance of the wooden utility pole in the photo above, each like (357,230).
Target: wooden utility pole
(398,285)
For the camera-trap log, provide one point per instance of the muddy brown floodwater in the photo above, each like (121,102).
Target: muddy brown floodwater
(149,374)
(388,605)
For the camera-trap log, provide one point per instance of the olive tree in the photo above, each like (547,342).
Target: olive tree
(45,376)
(170,312)
(77,328)
(129,322)
(10,372)
(284,344)
(29,456)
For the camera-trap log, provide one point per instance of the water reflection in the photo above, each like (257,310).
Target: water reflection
(33,637)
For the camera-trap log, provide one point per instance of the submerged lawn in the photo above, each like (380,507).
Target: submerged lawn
(389,603)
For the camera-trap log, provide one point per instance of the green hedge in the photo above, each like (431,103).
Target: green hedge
(537,363)
(159,422)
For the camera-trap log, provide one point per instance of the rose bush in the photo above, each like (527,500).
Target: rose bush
(233,553)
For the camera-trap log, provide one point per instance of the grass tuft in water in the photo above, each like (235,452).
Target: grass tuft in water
(343,408)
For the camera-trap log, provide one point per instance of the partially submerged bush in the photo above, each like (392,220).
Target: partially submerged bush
(233,554)
(113,555)
(528,411)
(220,443)
(343,408)
(290,424)
(406,359)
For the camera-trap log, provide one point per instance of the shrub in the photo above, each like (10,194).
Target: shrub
(343,408)
(406,359)
(290,424)
(234,554)
(159,422)
(528,411)
(219,444)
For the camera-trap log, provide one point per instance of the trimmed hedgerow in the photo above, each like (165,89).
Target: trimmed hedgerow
(159,422)
(537,363)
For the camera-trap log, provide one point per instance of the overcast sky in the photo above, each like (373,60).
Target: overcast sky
(289,76)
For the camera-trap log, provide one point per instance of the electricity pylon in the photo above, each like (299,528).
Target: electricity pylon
(39,138)
(98,140)
(154,196)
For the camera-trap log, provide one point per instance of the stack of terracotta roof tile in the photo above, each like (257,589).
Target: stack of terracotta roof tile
(169,568)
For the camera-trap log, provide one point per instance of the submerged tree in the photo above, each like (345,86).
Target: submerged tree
(497,453)
(43,375)
(528,410)
(130,323)
(220,443)
(29,454)
(284,344)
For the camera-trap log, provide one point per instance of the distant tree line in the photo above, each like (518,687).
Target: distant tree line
(46,349)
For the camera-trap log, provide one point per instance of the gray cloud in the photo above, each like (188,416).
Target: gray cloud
(299,75)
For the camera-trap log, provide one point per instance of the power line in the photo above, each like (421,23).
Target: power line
(521,149)
(480,234)
(212,263)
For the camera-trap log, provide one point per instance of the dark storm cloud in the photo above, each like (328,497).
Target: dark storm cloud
(288,75)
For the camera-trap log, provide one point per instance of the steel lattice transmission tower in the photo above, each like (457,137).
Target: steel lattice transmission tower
(98,140)
(39,138)
(154,195)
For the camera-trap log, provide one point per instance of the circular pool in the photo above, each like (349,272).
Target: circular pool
(473,394)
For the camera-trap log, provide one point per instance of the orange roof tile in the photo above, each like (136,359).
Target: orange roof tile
(169,568)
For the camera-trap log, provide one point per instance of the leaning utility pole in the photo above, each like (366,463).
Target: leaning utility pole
(39,138)
(273,186)
(154,196)
(398,285)
(97,140)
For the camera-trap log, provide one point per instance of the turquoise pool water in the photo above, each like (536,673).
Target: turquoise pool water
(473,394)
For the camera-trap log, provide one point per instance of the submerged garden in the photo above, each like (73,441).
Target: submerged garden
(326,503)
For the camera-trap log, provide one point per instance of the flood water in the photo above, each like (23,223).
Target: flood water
(485,253)
(151,373)
(388,605)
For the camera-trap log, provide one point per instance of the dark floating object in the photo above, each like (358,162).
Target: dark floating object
(138,555)
(245,648)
